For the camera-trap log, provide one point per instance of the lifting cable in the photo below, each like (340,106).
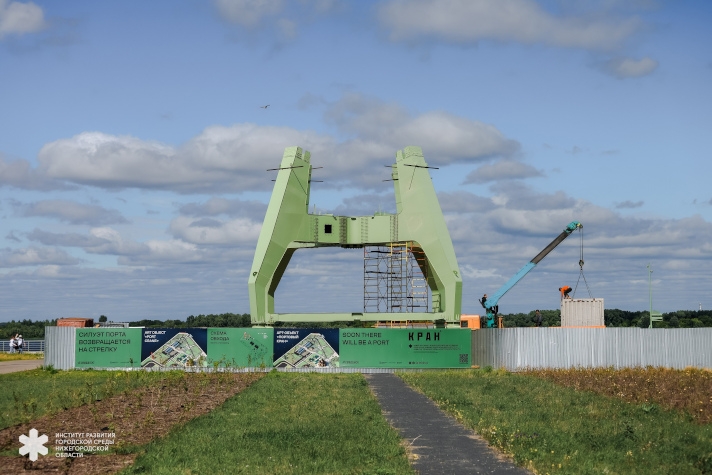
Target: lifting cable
(581,267)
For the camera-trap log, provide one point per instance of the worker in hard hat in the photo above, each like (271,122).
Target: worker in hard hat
(565,291)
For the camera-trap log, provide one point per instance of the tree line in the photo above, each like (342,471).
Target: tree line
(552,318)
(620,318)
(27,328)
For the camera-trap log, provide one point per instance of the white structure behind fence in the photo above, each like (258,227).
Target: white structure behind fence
(521,348)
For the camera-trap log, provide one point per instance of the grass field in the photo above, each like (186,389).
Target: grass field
(688,390)
(285,423)
(27,395)
(555,429)
(331,423)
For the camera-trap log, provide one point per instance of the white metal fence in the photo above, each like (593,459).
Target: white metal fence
(31,346)
(522,348)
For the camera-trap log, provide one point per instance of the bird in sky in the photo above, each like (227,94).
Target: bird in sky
(264,107)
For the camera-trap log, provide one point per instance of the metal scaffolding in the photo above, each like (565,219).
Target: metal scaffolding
(395,279)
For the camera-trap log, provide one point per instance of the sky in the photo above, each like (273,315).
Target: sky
(134,147)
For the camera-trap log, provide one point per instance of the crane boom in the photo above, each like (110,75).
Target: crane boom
(491,303)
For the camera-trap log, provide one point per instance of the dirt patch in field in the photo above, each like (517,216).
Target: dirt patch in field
(688,390)
(130,419)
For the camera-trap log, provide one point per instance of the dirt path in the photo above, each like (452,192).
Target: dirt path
(20,365)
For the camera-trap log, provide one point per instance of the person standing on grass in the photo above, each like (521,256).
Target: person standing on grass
(538,318)
(18,343)
(12,343)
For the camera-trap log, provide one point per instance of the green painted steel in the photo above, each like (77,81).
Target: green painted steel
(108,348)
(288,226)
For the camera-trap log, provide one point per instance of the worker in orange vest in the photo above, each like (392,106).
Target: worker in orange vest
(565,291)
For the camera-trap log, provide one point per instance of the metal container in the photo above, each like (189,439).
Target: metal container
(582,313)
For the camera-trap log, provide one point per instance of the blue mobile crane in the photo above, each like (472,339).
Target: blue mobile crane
(491,304)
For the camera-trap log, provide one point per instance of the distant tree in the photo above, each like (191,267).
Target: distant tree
(674,322)
(27,328)
(102,319)
(644,321)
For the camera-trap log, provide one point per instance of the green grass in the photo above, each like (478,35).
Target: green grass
(27,395)
(285,423)
(552,429)
(21,356)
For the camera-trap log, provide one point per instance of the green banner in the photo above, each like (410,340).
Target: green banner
(108,348)
(405,348)
(240,347)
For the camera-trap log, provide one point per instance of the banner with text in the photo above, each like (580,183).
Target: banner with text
(306,347)
(175,348)
(405,348)
(279,347)
(240,347)
(107,347)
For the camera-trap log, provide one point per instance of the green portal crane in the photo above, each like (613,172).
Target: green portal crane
(418,220)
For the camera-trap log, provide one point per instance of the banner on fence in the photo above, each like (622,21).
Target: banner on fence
(306,347)
(107,347)
(240,347)
(175,348)
(405,348)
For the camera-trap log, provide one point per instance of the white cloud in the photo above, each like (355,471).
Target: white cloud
(20,174)
(71,212)
(221,158)
(519,196)
(284,18)
(109,241)
(234,158)
(629,204)
(34,256)
(623,68)
(502,170)
(172,251)
(524,21)
(248,13)
(364,204)
(18,18)
(211,232)
(216,206)
(464,202)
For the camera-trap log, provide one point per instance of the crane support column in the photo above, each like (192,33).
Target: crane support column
(418,220)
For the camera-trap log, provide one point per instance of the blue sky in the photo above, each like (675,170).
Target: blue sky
(133,147)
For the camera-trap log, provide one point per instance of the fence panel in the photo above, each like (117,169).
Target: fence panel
(59,347)
(521,348)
